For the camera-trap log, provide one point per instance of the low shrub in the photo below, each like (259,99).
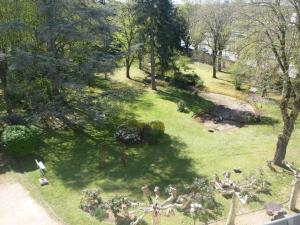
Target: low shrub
(158,126)
(199,84)
(19,140)
(91,200)
(129,134)
(183,81)
(155,130)
(181,106)
(100,214)
(135,132)
(161,83)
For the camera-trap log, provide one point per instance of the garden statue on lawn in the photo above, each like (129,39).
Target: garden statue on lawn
(239,192)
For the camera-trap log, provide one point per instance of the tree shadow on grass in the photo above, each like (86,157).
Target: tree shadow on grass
(94,117)
(74,157)
(160,164)
(195,103)
(77,165)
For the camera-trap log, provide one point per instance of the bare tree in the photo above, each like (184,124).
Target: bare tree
(217,19)
(272,29)
(242,192)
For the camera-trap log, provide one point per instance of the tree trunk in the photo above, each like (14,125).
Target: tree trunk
(220,61)
(214,58)
(3,77)
(123,158)
(128,69)
(294,194)
(187,48)
(289,118)
(232,211)
(140,59)
(282,143)
(153,82)
(140,63)
(284,137)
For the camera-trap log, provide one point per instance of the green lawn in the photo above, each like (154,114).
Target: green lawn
(186,151)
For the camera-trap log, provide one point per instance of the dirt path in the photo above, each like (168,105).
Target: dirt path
(17,206)
(227,101)
(228,113)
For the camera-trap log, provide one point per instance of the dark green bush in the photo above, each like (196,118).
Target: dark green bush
(19,140)
(100,214)
(183,81)
(90,201)
(135,132)
(181,106)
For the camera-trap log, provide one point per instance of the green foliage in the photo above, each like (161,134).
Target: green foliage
(156,131)
(90,201)
(203,193)
(240,72)
(183,63)
(129,133)
(199,84)
(19,140)
(115,204)
(158,18)
(135,132)
(181,106)
(100,214)
(184,81)
(67,40)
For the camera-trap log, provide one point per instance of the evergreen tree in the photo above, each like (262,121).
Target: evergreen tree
(13,33)
(157,20)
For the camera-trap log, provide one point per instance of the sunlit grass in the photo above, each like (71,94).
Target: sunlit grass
(188,150)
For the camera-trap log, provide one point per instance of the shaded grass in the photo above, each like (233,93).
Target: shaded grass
(186,151)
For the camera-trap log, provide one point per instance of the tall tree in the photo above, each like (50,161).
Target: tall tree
(127,33)
(190,12)
(217,19)
(13,33)
(272,28)
(71,35)
(156,18)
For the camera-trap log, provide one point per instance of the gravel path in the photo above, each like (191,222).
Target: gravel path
(18,208)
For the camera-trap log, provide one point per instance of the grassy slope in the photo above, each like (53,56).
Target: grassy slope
(186,151)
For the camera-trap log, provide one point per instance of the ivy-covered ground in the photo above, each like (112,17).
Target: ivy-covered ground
(186,151)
